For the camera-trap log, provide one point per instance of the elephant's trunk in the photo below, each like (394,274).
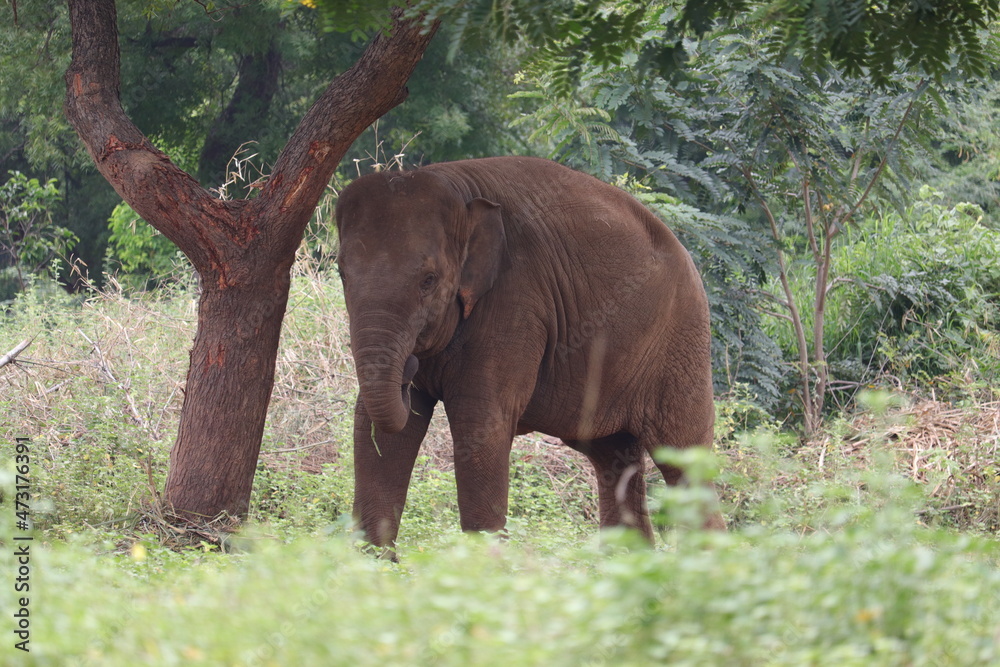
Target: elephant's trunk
(385,369)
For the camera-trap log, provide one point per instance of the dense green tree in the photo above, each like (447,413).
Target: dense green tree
(34,138)
(876,39)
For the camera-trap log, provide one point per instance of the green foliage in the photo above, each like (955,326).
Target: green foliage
(878,592)
(288,499)
(771,159)
(878,39)
(137,248)
(827,561)
(182,63)
(563,34)
(34,54)
(566,127)
(181,67)
(874,40)
(30,241)
(359,18)
(966,167)
(456,109)
(918,295)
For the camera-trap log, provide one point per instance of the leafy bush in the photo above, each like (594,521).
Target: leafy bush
(29,240)
(137,249)
(880,591)
(918,295)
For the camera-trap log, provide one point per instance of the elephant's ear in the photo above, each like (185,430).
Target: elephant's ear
(483,254)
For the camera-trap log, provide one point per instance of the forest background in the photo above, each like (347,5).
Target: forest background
(841,203)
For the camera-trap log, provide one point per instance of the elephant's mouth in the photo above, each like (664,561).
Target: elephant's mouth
(409,370)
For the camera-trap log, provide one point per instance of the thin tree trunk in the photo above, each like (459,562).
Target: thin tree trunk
(793,310)
(243,249)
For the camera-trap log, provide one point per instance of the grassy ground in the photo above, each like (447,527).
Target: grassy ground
(872,544)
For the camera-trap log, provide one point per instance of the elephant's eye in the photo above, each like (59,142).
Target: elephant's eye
(430,280)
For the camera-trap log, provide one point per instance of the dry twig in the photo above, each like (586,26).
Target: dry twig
(18,349)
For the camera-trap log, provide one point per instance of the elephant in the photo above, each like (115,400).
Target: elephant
(524,296)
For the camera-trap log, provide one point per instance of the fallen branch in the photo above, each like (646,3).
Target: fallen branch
(949,508)
(18,349)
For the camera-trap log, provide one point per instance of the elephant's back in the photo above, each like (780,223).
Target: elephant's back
(582,236)
(547,203)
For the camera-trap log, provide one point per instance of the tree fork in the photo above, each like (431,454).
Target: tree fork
(243,249)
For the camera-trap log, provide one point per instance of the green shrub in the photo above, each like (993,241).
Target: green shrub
(924,292)
(914,296)
(879,591)
(30,242)
(141,255)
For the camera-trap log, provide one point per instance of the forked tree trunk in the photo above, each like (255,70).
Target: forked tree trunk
(242,249)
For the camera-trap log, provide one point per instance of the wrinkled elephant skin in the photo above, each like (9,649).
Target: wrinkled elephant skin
(524,296)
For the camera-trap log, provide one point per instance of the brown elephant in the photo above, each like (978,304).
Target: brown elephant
(526,297)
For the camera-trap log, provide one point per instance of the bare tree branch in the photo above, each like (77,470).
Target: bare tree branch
(18,349)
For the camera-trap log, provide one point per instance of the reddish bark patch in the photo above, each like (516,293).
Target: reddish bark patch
(218,359)
(222,281)
(114,144)
(273,183)
(300,183)
(320,149)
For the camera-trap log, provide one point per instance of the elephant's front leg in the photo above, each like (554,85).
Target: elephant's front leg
(383,464)
(482,467)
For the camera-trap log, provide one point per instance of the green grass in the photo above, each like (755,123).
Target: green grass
(871,545)
(878,591)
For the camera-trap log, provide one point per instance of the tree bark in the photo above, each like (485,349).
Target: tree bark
(242,249)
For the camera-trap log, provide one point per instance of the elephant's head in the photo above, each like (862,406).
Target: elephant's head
(415,258)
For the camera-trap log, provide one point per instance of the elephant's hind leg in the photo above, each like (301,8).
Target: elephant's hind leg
(619,463)
(674,476)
